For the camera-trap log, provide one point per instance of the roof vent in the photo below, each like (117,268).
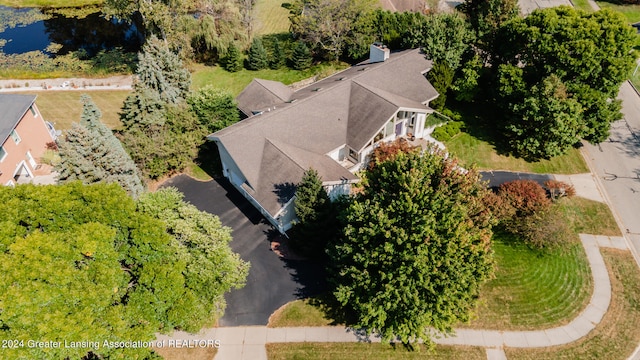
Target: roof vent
(292,101)
(317,89)
(341,78)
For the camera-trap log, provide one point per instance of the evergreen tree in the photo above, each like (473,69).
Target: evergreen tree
(257,55)
(232,61)
(316,218)
(277,56)
(162,71)
(215,108)
(91,153)
(301,57)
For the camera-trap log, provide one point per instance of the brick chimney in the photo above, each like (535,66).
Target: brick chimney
(378,52)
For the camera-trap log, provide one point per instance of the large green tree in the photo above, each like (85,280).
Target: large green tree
(415,248)
(218,24)
(215,108)
(84,263)
(328,25)
(257,59)
(445,38)
(91,153)
(590,53)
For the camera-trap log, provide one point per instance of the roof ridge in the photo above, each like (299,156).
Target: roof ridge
(285,153)
(367,87)
(259,81)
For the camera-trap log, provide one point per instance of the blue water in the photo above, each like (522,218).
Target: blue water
(91,33)
(26,38)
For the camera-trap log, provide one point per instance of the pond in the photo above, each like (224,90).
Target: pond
(23,30)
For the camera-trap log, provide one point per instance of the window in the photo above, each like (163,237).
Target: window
(353,154)
(3,153)
(15,137)
(412,120)
(33,111)
(388,129)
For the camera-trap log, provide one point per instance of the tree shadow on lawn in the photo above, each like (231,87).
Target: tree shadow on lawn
(483,120)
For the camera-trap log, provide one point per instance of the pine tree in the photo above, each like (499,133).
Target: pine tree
(277,56)
(232,61)
(257,55)
(316,216)
(162,71)
(91,153)
(301,57)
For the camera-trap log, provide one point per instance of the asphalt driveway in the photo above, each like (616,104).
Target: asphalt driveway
(272,282)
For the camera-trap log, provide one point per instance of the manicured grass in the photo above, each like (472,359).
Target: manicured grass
(62,108)
(471,150)
(631,12)
(197,173)
(172,353)
(235,82)
(298,313)
(533,289)
(635,79)
(350,351)
(49,3)
(589,217)
(270,17)
(617,335)
(582,5)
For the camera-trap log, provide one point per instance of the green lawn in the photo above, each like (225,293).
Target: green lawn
(589,217)
(63,108)
(617,335)
(298,313)
(631,12)
(350,351)
(270,17)
(234,82)
(582,5)
(471,150)
(533,289)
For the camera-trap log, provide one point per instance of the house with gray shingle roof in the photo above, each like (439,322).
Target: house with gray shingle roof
(331,126)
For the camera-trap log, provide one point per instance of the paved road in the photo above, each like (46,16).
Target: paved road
(272,282)
(496,178)
(616,163)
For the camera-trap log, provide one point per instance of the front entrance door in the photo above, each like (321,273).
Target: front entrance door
(399,128)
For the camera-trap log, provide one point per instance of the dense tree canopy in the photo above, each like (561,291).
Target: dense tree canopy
(445,38)
(588,54)
(218,22)
(415,247)
(328,24)
(82,263)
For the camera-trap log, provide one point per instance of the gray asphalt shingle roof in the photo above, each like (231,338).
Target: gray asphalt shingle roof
(12,108)
(272,150)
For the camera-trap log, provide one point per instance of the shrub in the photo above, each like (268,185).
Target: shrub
(448,130)
(50,157)
(387,151)
(525,196)
(498,207)
(546,229)
(558,189)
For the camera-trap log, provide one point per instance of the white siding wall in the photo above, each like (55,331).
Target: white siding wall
(337,190)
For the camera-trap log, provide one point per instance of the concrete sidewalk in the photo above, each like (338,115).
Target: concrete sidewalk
(238,343)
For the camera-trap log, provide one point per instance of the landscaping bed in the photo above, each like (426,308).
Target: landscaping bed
(348,351)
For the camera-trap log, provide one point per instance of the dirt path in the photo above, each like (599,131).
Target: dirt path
(120,82)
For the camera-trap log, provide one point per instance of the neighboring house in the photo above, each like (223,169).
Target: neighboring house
(23,137)
(330,126)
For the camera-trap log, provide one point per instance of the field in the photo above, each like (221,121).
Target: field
(234,82)
(631,12)
(271,17)
(62,108)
